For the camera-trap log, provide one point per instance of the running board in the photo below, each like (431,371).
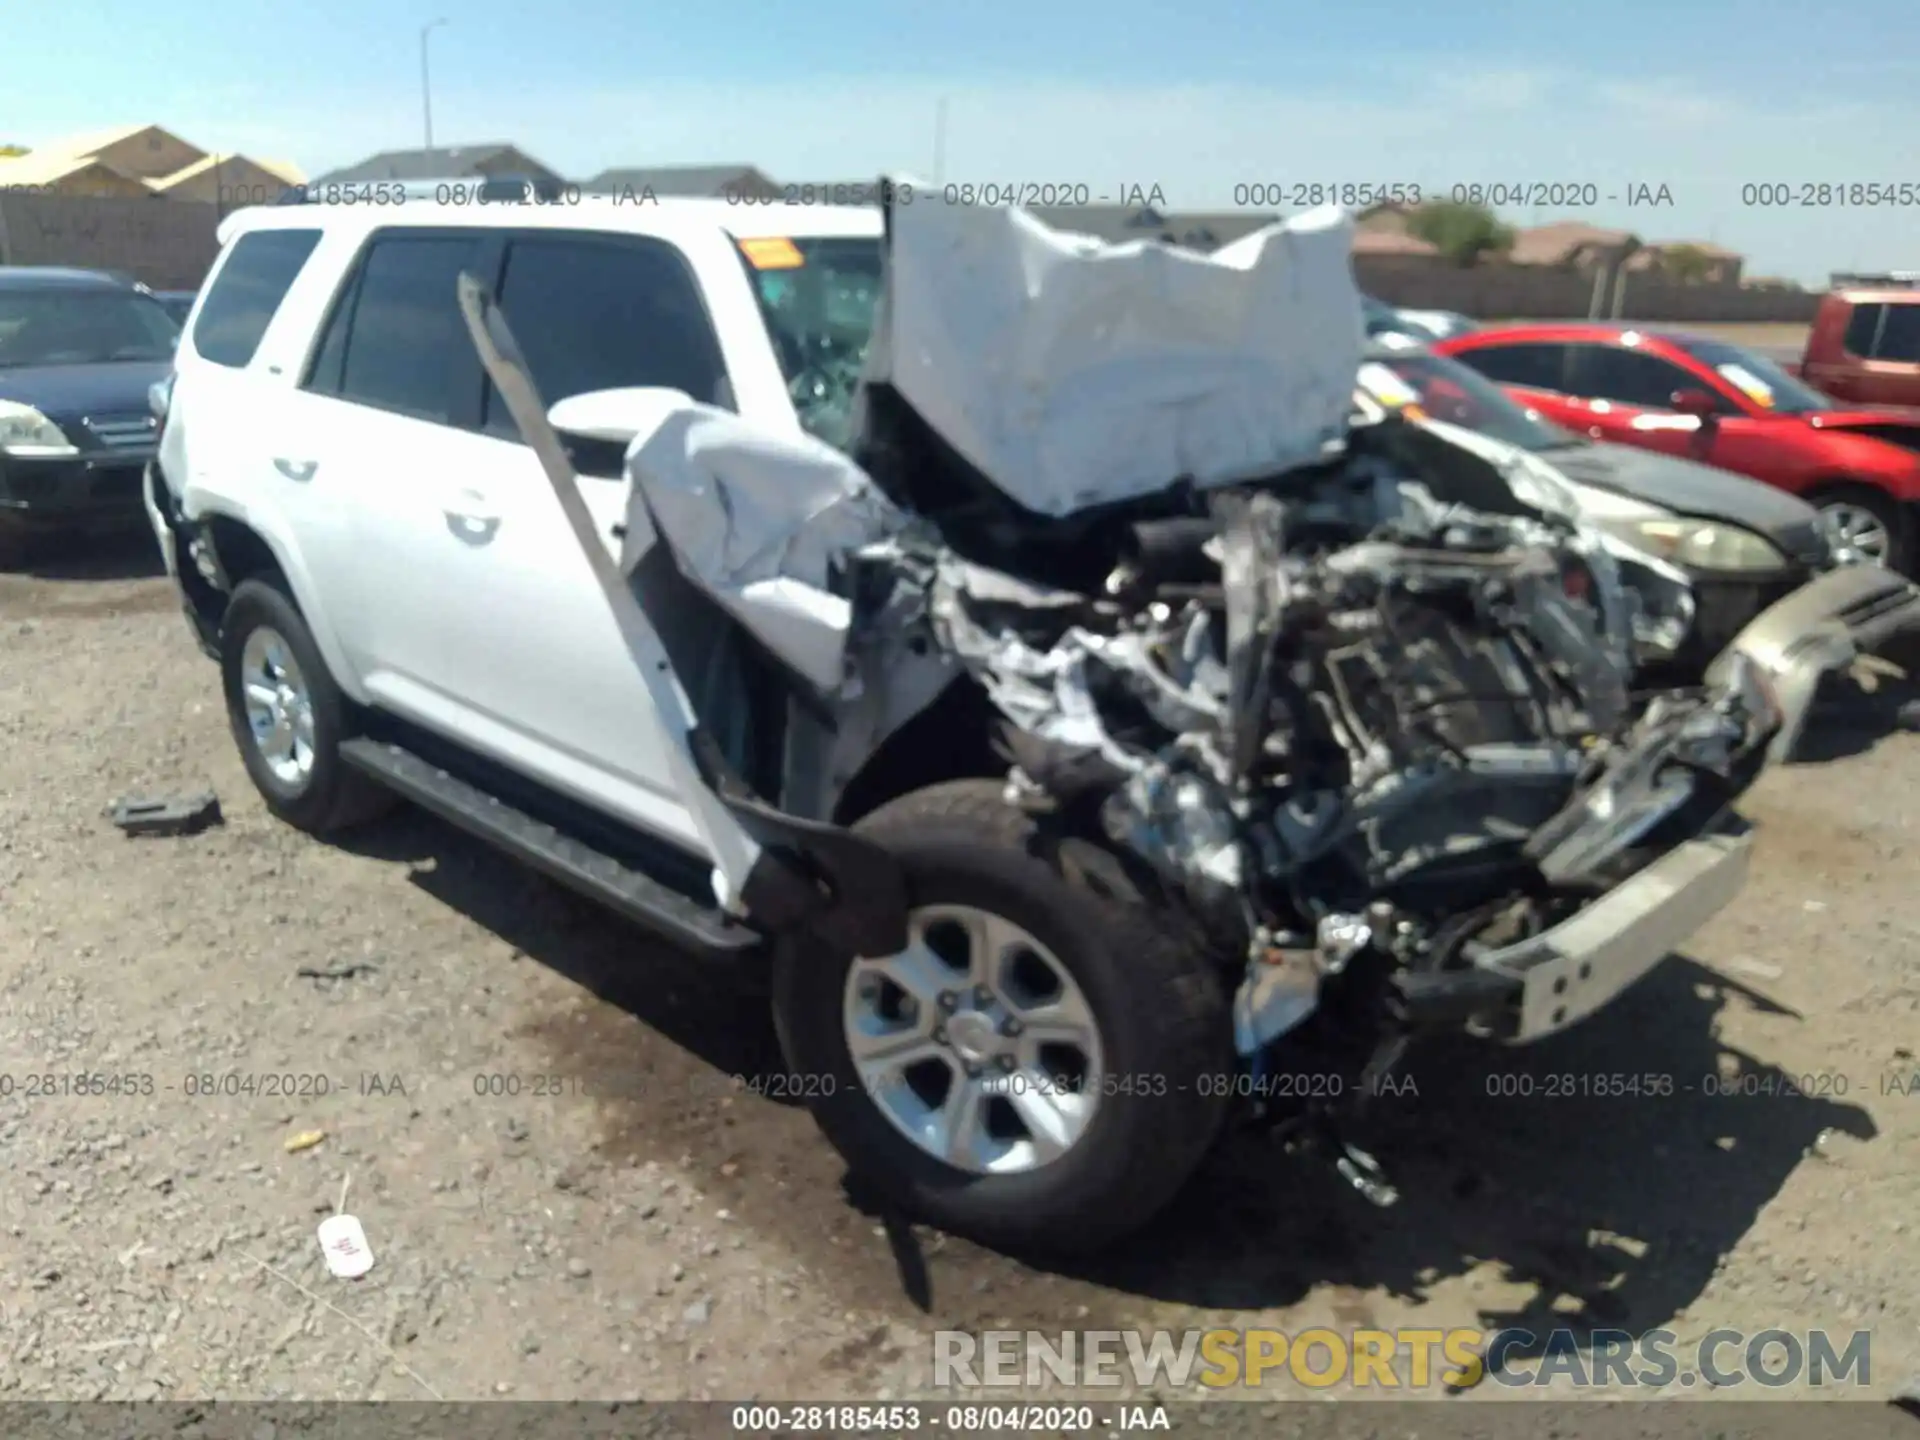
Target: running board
(632,893)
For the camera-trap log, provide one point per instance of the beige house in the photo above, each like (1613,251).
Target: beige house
(50,173)
(146,160)
(1572,245)
(1693,260)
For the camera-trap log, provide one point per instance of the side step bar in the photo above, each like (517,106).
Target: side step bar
(633,893)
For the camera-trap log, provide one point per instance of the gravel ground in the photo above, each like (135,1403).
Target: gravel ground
(628,1224)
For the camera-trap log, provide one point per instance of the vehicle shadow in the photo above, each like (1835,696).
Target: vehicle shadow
(1848,721)
(1605,1208)
(1540,1161)
(713,1012)
(128,553)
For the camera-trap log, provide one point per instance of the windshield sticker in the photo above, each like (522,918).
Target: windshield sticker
(1748,383)
(1386,387)
(773,252)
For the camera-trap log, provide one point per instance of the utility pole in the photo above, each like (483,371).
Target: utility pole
(940,141)
(426,85)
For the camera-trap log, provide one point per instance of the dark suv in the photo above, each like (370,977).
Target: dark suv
(78,351)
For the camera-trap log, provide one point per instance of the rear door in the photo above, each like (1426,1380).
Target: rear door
(1534,371)
(380,409)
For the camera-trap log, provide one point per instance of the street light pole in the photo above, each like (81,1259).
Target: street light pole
(426,87)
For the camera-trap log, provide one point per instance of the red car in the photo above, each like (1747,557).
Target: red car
(1708,401)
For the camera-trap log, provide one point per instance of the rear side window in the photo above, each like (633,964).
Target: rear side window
(247,291)
(1900,335)
(395,339)
(602,314)
(1540,367)
(1862,325)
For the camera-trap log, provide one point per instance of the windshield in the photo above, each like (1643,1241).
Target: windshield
(82,327)
(1447,390)
(819,297)
(1754,376)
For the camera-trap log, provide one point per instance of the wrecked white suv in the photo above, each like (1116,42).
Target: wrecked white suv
(1006,638)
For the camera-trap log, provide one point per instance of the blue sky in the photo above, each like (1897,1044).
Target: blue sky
(1195,97)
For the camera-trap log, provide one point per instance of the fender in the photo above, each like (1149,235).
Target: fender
(200,504)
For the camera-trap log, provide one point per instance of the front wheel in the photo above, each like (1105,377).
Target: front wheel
(1869,521)
(1032,1070)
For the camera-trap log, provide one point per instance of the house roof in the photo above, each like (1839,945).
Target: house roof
(1558,243)
(1391,242)
(1712,252)
(436,164)
(45,167)
(280,169)
(694,180)
(92,142)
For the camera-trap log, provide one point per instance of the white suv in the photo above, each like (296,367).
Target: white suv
(1010,640)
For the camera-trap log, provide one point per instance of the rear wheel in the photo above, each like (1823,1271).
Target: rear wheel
(1032,1070)
(1868,520)
(287,715)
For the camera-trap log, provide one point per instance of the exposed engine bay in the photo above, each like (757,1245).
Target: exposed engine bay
(1340,718)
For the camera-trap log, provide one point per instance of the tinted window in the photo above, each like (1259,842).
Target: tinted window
(246,292)
(603,314)
(396,338)
(57,325)
(1543,367)
(1861,326)
(1900,336)
(1628,377)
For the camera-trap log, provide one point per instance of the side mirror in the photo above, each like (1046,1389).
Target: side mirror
(616,416)
(1698,403)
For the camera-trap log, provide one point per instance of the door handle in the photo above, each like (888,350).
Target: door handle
(473,529)
(470,518)
(299,471)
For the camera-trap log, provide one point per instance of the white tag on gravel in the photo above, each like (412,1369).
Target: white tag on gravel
(344,1244)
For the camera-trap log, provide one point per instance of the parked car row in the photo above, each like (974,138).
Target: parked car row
(1049,747)
(1708,401)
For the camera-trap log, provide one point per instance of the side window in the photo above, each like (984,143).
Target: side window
(1900,336)
(1629,377)
(1862,325)
(395,338)
(246,292)
(1540,367)
(601,314)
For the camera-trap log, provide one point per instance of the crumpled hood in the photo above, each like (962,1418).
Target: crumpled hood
(1071,372)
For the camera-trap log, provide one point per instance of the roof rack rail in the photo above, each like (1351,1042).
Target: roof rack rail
(1884,279)
(455,190)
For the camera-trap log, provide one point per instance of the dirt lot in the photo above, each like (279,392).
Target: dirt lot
(641,1229)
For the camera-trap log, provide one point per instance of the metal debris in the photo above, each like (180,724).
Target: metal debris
(175,815)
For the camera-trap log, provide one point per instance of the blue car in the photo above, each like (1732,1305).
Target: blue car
(78,351)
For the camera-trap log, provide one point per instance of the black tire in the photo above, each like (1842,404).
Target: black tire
(332,796)
(1884,508)
(18,544)
(1161,1007)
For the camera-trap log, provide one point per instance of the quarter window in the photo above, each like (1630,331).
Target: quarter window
(246,293)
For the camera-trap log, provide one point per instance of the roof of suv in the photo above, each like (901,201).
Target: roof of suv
(56,277)
(664,217)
